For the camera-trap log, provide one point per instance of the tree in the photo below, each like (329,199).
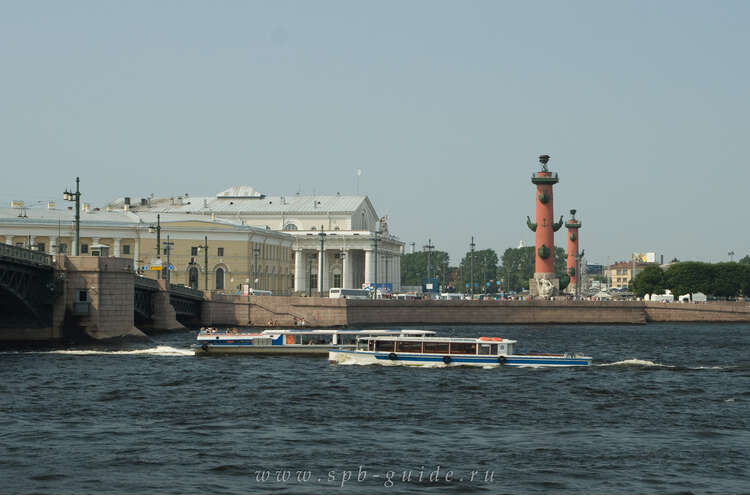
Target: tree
(726,279)
(518,267)
(414,267)
(485,270)
(745,260)
(650,280)
(689,277)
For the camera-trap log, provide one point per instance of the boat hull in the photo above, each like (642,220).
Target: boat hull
(351,357)
(224,349)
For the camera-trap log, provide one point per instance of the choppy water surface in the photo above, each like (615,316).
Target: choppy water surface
(664,409)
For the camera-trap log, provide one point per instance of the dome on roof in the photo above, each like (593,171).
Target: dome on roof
(240,192)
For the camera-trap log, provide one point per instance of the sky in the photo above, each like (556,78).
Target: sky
(443,106)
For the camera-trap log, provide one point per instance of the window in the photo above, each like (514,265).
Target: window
(19,245)
(83,295)
(40,246)
(463,349)
(126,249)
(166,250)
(313,280)
(219,278)
(220,252)
(409,346)
(336,280)
(290,227)
(61,248)
(435,347)
(384,345)
(193,251)
(484,349)
(84,248)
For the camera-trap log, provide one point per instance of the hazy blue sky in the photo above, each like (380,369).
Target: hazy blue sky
(445,106)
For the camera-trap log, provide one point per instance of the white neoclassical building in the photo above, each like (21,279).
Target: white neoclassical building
(338,240)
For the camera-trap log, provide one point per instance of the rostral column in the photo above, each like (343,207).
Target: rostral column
(544,283)
(573,226)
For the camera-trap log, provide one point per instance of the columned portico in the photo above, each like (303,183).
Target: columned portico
(347,269)
(300,284)
(369,267)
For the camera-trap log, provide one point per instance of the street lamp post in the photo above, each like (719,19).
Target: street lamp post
(472,245)
(205,259)
(168,244)
(375,282)
(731,255)
(309,274)
(76,197)
(429,247)
(322,259)
(157,229)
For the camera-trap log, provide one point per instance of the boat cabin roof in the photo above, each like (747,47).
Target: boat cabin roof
(482,340)
(359,332)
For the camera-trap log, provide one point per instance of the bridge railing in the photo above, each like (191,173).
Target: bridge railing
(24,255)
(179,290)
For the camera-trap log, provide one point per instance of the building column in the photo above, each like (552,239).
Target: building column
(117,247)
(52,245)
(369,267)
(346,272)
(136,253)
(31,239)
(398,272)
(300,284)
(9,240)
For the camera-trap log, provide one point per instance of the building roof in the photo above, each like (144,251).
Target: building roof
(247,200)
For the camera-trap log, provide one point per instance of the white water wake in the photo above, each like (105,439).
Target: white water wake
(156,351)
(637,363)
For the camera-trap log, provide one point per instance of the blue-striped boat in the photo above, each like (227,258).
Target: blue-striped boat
(288,341)
(448,352)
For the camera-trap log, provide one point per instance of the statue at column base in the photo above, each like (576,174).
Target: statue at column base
(544,286)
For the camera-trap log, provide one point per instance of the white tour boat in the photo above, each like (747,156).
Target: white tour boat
(446,351)
(289,341)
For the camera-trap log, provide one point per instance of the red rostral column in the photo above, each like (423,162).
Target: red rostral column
(573,226)
(545,226)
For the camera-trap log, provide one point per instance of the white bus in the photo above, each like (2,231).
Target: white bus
(351,294)
(259,292)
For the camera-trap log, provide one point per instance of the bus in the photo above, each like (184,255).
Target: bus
(350,294)
(258,292)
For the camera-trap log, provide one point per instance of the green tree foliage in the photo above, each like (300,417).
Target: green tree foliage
(745,260)
(518,267)
(651,280)
(485,270)
(689,277)
(414,267)
(727,279)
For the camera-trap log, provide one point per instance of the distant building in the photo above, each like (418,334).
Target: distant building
(621,273)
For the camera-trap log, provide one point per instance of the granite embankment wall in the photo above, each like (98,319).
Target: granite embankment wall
(286,311)
(226,310)
(698,312)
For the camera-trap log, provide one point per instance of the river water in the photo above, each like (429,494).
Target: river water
(663,409)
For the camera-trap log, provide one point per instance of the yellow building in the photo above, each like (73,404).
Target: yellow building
(236,254)
(620,274)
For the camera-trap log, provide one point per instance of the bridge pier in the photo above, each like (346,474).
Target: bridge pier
(99,296)
(164,317)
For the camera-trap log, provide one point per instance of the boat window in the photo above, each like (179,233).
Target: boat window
(463,348)
(384,345)
(409,346)
(347,338)
(435,347)
(262,341)
(484,349)
(371,345)
(362,345)
(494,349)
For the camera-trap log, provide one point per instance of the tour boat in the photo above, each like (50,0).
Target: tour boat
(446,351)
(288,341)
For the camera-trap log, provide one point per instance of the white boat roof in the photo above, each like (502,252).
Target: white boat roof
(483,340)
(368,332)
